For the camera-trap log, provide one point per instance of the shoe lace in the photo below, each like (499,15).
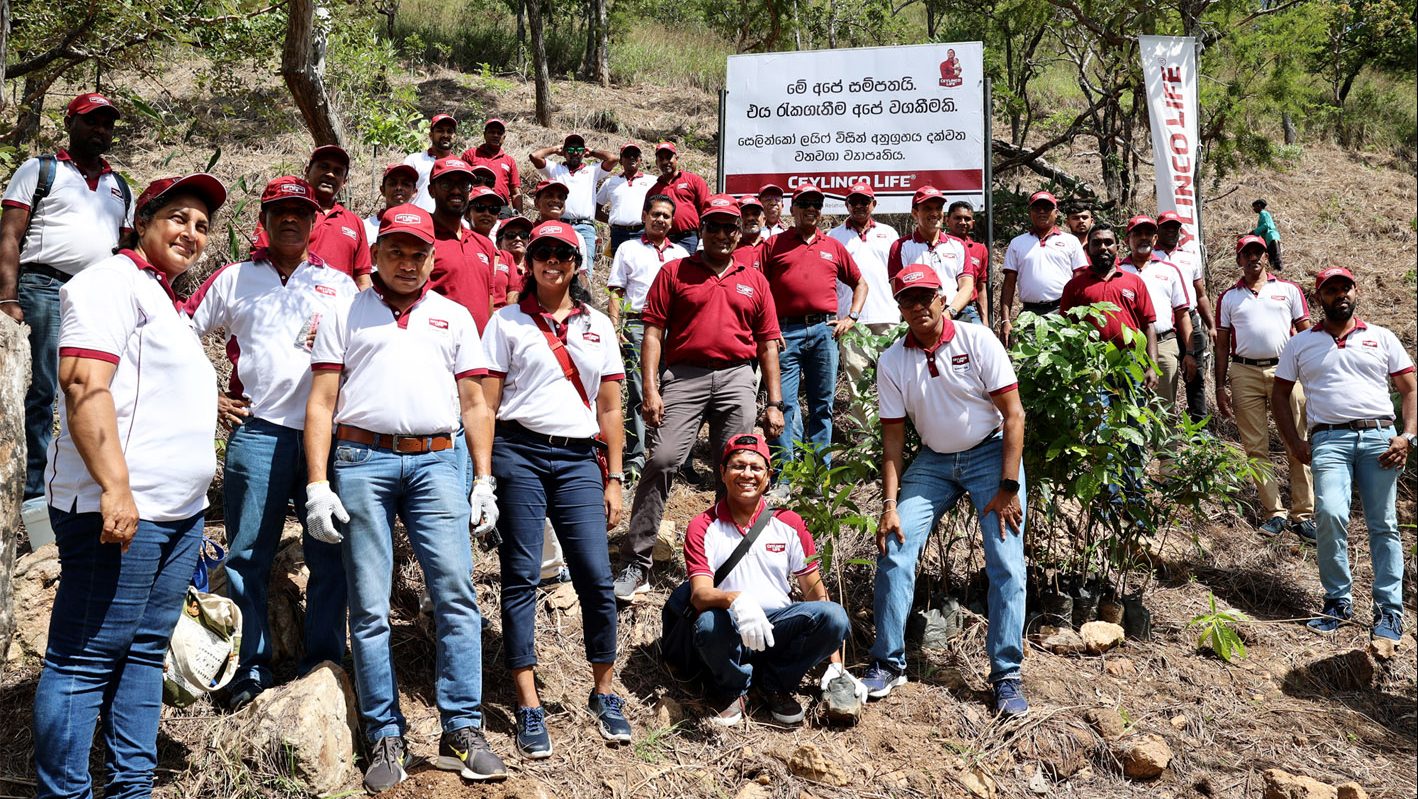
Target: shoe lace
(472,739)
(632,573)
(877,672)
(388,750)
(612,704)
(1007,689)
(1391,618)
(533,720)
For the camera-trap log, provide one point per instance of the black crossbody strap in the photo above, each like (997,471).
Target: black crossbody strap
(727,567)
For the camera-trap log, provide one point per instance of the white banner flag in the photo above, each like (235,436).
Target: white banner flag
(1169,68)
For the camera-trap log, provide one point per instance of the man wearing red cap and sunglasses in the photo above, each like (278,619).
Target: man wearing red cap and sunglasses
(338,236)
(582,178)
(62,212)
(1346,366)
(870,244)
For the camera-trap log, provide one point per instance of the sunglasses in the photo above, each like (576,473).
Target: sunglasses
(486,208)
(559,252)
(815,205)
(570,150)
(913,299)
(855,202)
(745,441)
(520,235)
(721,227)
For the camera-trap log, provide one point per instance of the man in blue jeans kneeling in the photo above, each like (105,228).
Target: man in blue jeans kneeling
(956,385)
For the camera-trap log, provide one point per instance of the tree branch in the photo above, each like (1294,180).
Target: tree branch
(62,50)
(1018,156)
(1215,36)
(1091,24)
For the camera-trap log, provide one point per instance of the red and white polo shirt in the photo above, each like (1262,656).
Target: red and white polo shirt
(338,237)
(581,188)
(122,310)
(78,223)
(399,370)
(1188,260)
(1123,289)
(503,165)
(710,319)
(624,198)
(784,550)
(1345,378)
(1166,287)
(804,274)
(462,272)
(1044,266)
(535,392)
(870,249)
(946,390)
(266,320)
(947,256)
(637,262)
(1261,321)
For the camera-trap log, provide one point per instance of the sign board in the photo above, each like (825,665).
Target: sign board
(896,117)
(1169,70)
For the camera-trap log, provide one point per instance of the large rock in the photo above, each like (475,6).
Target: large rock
(1145,758)
(1107,722)
(35,582)
(1352,790)
(811,763)
(305,731)
(666,542)
(1283,785)
(1100,636)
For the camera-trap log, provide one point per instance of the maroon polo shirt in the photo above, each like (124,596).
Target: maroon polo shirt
(1123,289)
(462,272)
(710,319)
(504,168)
(749,255)
(977,257)
(690,192)
(337,237)
(804,275)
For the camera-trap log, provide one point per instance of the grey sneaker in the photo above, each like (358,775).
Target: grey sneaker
(1273,526)
(466,752)
(631,582)
(387,758)
(784,707)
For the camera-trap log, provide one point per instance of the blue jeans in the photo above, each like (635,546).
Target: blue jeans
(620,236)
(969,314)
(426,491)
(587,231)
(933,483)
(538,481)
(634,394)
(804,635)
(265,472)
(689,241)
(1340,459)
(108,633)
(39,300)
(808,363)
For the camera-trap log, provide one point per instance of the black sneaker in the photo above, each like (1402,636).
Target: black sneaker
(466,752)
(609,711)
(1306,529)
(240,695)
(533,740)
(631,582)
(387,758)
(1273,526)
(784,707)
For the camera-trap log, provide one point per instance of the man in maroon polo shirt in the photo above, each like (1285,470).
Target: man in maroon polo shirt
(803,265)
(503,165)
(1102,281)
(707,318)
(688,190)
(960,223)
(463,259)
(338,236)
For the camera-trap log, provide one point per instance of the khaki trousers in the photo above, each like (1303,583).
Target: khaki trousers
(855,358)
(1169,364)
(1250,400)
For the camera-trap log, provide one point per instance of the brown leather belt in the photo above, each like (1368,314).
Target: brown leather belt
(404,445)
(1357,424)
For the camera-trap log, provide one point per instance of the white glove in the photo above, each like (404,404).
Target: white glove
(321,505)
(754,628)
(484,506)
(835,670)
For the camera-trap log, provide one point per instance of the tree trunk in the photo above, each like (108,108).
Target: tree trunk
(14,381)
(303,67)
(522,24)
(4,45)
(1288,125)
(601,73)
(31,108)
(540,72)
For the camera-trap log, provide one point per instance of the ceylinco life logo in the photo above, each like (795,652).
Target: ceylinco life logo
(950,70)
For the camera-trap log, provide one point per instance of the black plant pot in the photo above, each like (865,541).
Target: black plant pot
(1137,619)
(1111,611)
(1056,608)
(1085,606)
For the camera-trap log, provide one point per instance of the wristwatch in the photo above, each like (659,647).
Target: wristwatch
(854,316)
(487,478)
(619,477)
(954,314)
(1012,486)
(780,405)
(1412,440)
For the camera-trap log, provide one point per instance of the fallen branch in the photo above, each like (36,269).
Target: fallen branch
(1016,156)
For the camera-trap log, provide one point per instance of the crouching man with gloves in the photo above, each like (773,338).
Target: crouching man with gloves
(395,368)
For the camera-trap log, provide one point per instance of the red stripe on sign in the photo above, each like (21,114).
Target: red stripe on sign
(836,184)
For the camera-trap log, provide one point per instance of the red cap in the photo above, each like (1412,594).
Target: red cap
(1331,273)
(446,166)
(289,187)
(201,184)
(1247,240)
(630,145)
(750,201)
(483,191)
(1139,221)
(1168,216)
(486,169)
(1043,197)
(494,121)
(87,103)
(407,169)
(334,151)
(514,221)
(432,123)
(573,137)
(407,218)
(556,231)
(770,186)
(720,204)
(751,442)
(915,276)
(864,189)
(807,189)
(925,193)
(666,145)
(547,184)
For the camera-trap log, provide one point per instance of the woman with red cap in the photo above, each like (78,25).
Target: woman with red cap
(126,493)
(550,358)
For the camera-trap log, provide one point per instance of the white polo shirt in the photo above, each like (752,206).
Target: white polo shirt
(783,550)
(870,250)
(625,199)
(423,162)
(1345,379)
(1260,321)
(947,257)
(371,229)
(1044,265)
(636,263)
(946,392)
(1166,287)
(267,320)
(77,223)
(581,188)
(399,371)
(535,392)
(773,230)
(122,310)
(1187,259)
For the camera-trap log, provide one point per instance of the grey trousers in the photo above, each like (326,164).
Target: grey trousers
(691,394)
